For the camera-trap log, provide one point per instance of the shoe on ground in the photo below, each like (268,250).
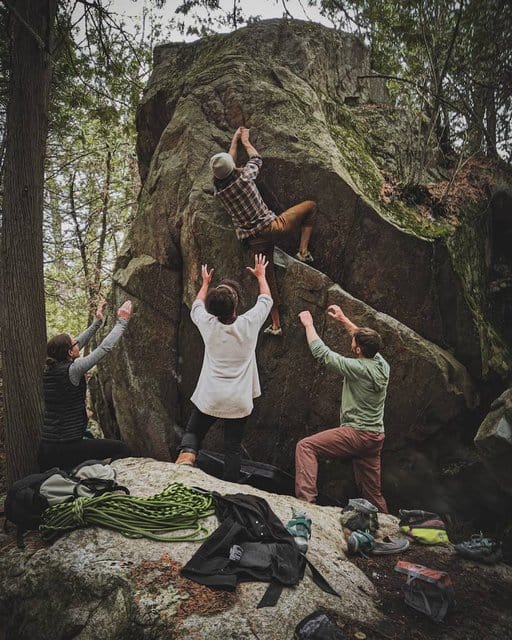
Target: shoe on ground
(270,331)
(480,549)
(187,458)
(360,542)
(391,544)
(300,528)
(305,257)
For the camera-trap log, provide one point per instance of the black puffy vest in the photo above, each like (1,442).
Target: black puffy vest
(65,415)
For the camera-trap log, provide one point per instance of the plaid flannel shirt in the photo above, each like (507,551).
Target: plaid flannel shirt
(244,203)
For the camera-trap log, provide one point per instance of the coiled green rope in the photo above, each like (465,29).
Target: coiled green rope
(176,508)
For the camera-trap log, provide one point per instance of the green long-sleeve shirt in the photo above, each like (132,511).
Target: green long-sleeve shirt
(364,388)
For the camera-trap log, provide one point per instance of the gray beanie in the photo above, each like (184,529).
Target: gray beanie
(222,164)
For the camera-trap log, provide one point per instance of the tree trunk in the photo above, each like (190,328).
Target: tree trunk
(22,315)
(490,124)
(476,120)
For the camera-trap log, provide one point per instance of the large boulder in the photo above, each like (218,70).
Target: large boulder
(95,583)
(291,83)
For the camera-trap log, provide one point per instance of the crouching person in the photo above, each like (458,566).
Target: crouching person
(361,434)
(229,381)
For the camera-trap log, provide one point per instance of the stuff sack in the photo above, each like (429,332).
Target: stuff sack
(424,527)
(318,626)
(427,590)
(28,498)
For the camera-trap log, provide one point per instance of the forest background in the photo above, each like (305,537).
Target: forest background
(71,75)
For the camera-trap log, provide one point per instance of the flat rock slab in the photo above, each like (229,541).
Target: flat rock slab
(93,583)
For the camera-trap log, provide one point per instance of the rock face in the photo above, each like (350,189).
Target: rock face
(292,84)
(494,440)
(94,583)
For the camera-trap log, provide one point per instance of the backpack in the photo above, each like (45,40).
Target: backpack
(28,498)
(423,526)
(360,515)
(427,590)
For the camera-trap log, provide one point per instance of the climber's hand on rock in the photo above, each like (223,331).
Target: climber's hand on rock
(306,318)
(206,275)
(101,309)
(125,310)
(335,312)
(245,135)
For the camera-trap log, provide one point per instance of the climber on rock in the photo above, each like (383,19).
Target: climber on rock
(253,220)
(361,434)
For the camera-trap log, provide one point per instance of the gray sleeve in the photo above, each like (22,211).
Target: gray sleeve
(86,335)
(82,365)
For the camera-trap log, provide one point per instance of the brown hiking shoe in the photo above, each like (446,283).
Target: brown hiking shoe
(187,458)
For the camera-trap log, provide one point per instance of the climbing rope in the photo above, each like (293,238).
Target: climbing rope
(176,508)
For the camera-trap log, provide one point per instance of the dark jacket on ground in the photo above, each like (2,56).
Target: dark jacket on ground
(265,550)
(245,520)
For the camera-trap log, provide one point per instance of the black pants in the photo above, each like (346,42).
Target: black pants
(67,455)
(234,428)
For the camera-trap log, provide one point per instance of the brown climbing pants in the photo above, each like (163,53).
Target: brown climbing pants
(299,215)
(364,447)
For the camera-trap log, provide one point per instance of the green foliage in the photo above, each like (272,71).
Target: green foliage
(92,180)
(455,55)
(208,16)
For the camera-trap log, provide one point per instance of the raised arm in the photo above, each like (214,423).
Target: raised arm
(86,335)
(207,278)
(307,320)
(348,367)
(81,365)
(249,148)
(259,272)
(335,312)
(234,144)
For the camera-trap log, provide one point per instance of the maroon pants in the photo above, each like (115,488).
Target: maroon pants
(364,447)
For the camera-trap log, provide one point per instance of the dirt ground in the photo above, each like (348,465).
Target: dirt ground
(483,609)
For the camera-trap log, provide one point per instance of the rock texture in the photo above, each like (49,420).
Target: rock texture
(94,583)
(299,88)
(494,440)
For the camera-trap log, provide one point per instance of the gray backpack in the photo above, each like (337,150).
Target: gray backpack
(28,498)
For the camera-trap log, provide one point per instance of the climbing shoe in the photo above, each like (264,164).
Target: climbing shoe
(300,528)
(481,549)
(270,331)
(187,458)
(391,544)
(360,542)
(305,257)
